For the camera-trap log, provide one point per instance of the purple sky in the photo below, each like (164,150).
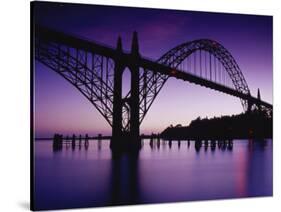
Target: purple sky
(59,107)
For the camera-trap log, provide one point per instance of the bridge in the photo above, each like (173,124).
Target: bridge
(96,71)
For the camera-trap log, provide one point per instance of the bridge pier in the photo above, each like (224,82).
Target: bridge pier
(122,140)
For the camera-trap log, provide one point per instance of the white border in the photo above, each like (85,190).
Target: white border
(14,115)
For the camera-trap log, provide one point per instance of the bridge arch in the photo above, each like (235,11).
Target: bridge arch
(178,54)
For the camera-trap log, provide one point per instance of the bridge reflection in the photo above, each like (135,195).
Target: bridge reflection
(125,180)
(135,178)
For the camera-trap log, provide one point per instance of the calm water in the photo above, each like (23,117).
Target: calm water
(89,177)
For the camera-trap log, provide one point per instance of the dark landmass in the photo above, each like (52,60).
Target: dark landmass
(256,124)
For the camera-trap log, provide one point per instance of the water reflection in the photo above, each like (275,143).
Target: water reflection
(198,144)
(255,167)
(124,180)
(156,144)
(162,171)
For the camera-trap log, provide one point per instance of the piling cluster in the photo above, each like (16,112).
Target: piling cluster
(59,140)
(198,143)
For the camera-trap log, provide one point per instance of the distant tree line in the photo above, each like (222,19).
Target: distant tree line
(254,124)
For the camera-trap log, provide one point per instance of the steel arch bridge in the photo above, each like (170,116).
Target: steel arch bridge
(177,55)
(96,71)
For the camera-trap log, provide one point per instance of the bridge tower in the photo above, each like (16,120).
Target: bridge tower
(124,140)
(135,93)
(117,99)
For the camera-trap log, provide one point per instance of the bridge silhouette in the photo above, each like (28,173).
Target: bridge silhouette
(96,71)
